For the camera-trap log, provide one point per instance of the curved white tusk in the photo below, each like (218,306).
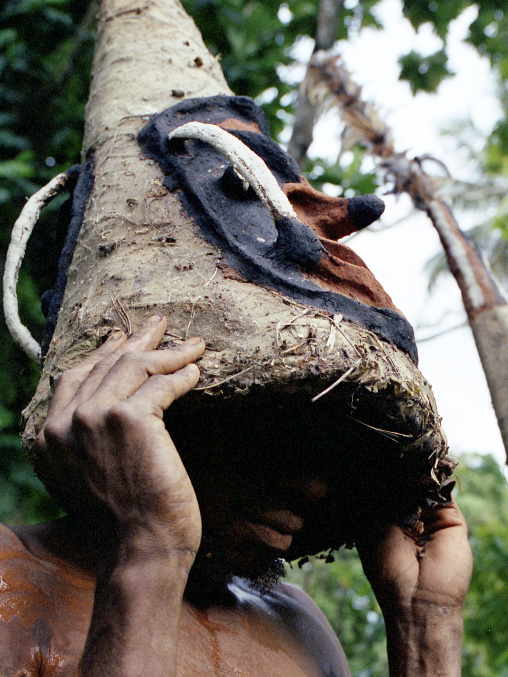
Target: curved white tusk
(20,235)
(249,165)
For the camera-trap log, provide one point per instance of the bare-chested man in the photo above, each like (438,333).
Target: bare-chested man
(154,579)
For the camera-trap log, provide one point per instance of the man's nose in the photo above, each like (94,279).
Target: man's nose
(310,487)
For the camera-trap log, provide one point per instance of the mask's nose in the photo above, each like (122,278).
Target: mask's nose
(332,218)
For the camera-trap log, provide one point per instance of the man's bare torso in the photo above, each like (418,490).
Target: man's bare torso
(46,605)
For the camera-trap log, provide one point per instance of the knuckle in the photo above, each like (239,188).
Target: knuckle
(87,416)
(68,378)
(53,433)
(103,364)
(163,381)
(173,390)
(132,357)
(132,360)
(122,414)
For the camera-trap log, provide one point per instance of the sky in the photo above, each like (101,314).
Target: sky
(398,254)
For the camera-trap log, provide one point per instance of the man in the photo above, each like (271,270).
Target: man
(155,578)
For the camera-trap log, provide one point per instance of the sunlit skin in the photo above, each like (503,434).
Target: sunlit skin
(113,596)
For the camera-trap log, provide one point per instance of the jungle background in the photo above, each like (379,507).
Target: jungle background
(46,48)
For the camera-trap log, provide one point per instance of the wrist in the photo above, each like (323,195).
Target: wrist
(424,639)
(148,576)
(135,549)
(134,625)
(128,544)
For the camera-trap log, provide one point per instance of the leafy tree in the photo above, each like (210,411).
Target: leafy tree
(484,500)
(45,55)
(483,196)
(487,33)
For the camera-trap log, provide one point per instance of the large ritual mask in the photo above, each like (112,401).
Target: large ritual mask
(311,334)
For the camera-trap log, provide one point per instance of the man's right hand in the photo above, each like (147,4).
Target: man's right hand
(105,427)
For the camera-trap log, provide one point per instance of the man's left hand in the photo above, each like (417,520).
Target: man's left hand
(420,583)
(433,568)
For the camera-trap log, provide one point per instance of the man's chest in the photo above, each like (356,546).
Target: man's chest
(240,646)
(208,646)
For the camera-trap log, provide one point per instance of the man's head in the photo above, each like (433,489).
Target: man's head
(285,480)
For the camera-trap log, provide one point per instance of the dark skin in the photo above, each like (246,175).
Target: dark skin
(116,598)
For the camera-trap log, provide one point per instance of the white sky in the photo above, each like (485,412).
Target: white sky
(397,256)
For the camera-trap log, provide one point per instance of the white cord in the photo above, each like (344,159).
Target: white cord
(249,165)
(19,237)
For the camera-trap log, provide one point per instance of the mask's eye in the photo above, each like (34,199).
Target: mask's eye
(234,186)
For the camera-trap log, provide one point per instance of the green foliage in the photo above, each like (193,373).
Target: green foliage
(256,38)
(489,32)
(43,89)
(496,159)
(484,501)
(424,73)
(45,56)
(439,13)
(253,43)
(347,178)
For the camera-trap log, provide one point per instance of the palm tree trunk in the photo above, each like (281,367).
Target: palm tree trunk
(490,331)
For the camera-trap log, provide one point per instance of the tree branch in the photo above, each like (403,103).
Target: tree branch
(485,306)
(306,111)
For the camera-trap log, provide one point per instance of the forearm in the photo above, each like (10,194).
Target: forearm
(424,641)
(134,626)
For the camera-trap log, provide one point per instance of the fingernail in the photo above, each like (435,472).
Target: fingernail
(154,319)
(115,335)
(194,341)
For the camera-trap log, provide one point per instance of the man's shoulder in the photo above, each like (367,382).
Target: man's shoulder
(292,609)
(8,538)
(13,552)
(304,608)
(303,599)
(20,604)
(32,576)
(19,570)
(45,605)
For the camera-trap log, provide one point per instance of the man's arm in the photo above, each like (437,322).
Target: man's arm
(105,424)
(420,584)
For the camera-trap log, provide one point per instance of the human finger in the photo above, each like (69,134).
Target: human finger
(133,369)
(146,338)
(443,517)
(70,381)
(159,391)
